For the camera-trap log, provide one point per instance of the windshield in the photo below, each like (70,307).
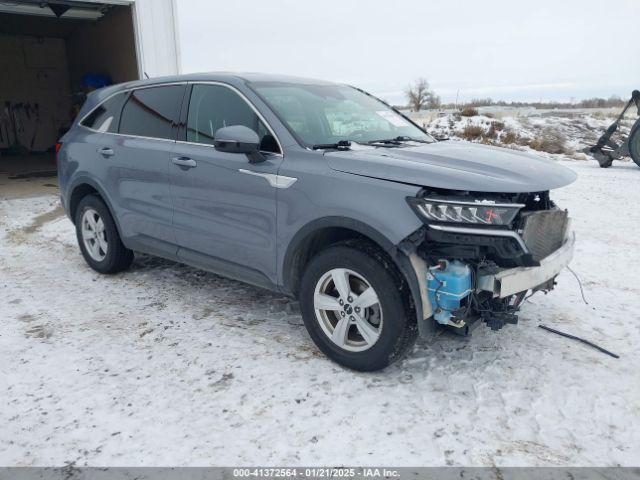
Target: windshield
(328,114)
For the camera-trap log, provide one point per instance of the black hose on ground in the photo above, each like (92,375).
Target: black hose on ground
(587,342)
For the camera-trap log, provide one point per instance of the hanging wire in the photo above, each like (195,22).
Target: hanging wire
(580,284)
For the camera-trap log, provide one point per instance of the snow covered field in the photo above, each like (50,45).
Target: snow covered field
(168,365)
(558,132)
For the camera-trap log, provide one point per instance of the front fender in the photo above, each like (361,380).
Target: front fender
(401,259)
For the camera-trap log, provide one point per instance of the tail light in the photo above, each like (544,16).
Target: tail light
(58,147)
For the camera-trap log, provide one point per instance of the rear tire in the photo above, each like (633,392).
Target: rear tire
(98,237)
(364,323)
(634,142)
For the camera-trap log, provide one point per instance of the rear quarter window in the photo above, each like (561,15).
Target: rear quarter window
(105,117)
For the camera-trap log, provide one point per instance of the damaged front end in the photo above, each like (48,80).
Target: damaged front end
(479,254)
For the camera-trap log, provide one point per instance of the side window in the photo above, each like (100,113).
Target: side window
(104,118)
(152,112)
(212,107)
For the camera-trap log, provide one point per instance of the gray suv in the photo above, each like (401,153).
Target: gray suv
(319,191)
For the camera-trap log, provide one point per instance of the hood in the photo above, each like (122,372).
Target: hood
(455,166)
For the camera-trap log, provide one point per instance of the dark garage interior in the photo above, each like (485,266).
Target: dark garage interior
(51,55)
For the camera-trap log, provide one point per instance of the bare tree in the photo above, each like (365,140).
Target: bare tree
(420,95)
(434,101)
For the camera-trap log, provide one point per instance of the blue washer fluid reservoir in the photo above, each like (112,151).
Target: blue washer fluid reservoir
(448,287)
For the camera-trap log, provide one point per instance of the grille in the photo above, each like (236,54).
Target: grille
(543,232)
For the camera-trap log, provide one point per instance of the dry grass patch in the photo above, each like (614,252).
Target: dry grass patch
(469,112)
(549,140)
(472,132)
(508,137)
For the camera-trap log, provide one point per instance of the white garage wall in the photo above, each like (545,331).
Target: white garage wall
(157,33)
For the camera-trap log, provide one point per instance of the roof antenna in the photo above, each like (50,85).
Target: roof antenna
(146,74)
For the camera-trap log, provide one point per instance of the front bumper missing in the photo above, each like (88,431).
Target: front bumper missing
(520,279)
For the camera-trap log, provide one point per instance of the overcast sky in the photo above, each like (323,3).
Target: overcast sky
(505,49)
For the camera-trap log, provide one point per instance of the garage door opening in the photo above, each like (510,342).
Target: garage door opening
(51,55)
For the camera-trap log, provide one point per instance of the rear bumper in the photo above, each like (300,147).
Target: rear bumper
(520,279)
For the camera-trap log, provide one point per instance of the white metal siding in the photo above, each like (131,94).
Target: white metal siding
(158,51)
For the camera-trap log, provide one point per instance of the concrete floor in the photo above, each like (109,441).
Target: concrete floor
(27,176)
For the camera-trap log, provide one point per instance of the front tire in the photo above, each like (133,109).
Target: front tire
(98,237)
(356,308)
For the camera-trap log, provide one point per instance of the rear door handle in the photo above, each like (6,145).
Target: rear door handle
(184,162)
(106,151)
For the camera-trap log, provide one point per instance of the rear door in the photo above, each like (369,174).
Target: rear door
(138,158)
(225,207)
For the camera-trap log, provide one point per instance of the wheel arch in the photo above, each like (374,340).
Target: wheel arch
(82,187)
(322,233)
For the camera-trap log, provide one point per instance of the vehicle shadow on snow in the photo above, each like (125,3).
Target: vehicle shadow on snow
(270,314)
(239,293)
(216,294)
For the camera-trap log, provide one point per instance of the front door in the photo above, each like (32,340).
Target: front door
(224,206)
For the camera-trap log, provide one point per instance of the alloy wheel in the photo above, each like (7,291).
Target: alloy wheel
(94,236)
(348,309)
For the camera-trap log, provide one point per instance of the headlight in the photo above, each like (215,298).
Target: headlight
(477,213)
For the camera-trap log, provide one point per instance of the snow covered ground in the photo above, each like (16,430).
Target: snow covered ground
(566,132)
(168,365)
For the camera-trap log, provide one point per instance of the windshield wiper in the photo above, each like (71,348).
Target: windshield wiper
(342,144)
(398,140)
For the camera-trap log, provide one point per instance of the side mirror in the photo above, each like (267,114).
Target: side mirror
(238,139)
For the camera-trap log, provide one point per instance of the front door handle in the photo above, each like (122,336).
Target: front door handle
(185,162)
(106,151)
